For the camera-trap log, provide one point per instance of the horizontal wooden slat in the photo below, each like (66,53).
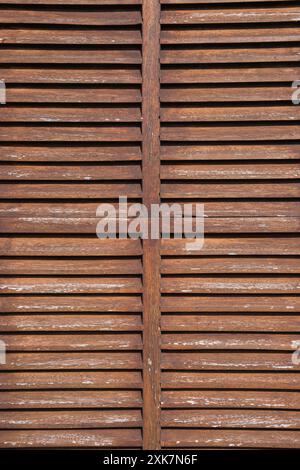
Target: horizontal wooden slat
(246,74)
(227,133)
(71,56)
(184,341)
(242,322)
(69,153)
(77,191)
(212,15)
(231,419)
(69,75)
(85,37)
(74,379)
(48,246)
(224,113)
(218,209)
(63,94)
(212,225)
(215,265)
(162,1)
(229,55)
(72,191)
(266,189)
(36,15)
(225,151)
(223,93)
(105,438)
(71,399)
(69,133)
(231,399)
(238,380)
(229,285)
(228,171)
(70,419)
(228,361)
(82,360)
(229,35)
(74,172)
(287,304)
(55,323)
(78,2)
(234,246)
(70,114)
(56,304)
(232,439)
(91,342)
(80,267)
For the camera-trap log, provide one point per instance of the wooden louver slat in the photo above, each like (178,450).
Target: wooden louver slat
(150,344)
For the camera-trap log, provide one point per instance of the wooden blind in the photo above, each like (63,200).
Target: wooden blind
(71,139)
(230,139)
(143,343)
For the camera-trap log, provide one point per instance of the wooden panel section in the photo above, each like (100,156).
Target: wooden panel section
(71,304)
(229,141)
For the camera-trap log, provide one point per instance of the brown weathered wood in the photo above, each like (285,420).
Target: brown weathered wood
(74,379)
(65,399)
(247,74)
(228,94)
(231,399)
(197,341)
(98,438)
(51,246)
(227,285)
(71,285)
(225,151)
(73,360)
(41,304)
(84,267)
(71,419)
(71,323)
(70,56)
(77,95)
(230,35)
(65,75)
(236,380)
(228,361)
(35,15)
(91,342)
(61,153)
(287,304)
(151,255)
(235,246)
(71,114)
(218,265)
(233,439)
(230,15)
(68,37)
(231,419)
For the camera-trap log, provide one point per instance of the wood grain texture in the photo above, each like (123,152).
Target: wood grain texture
(151,248)
(69,420)
(71,379)
(236,439)
(98,438)
(217,15)
(102,17)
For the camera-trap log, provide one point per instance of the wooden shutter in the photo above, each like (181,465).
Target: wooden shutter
(91,115)
(230,139)
(70,139)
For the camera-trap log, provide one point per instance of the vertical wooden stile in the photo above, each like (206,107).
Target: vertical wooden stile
(151,195)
